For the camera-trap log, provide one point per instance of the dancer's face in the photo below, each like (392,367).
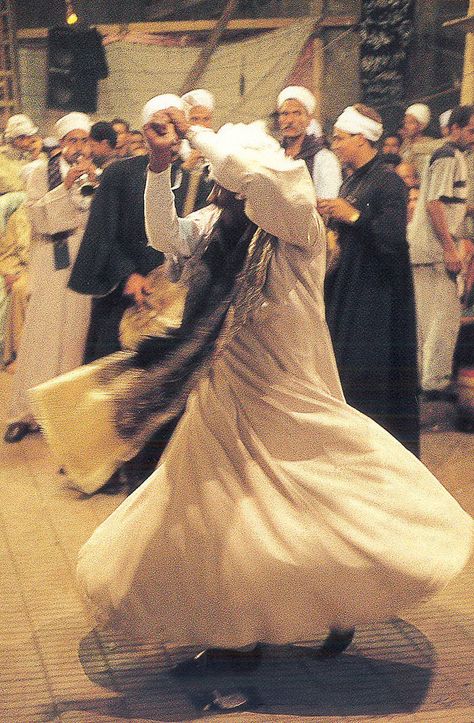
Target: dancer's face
(232,204)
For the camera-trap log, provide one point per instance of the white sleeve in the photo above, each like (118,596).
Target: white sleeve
(50,211)
(165,231)
(278,191)
(327,175)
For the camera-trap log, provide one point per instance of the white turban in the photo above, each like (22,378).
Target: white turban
(421,112)
(302,95)
(253,136)
(444,118)
(160,102)
(199,97)
(352,121)
(72,122)
(314,128)
(19,125)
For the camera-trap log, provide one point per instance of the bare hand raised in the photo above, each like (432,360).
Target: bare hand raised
(161,137)
(178,119)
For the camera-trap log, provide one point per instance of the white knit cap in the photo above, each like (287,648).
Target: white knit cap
(302,95)
(353,122)
(19,125)
(72,122)
(444,118)
(160,102)
(199,97)
(421,112)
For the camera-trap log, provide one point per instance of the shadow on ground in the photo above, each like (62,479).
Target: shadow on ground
(387,671)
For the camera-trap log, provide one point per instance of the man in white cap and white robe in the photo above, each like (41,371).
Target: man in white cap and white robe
(22,145)
(277,509)
(416,146)
(303,138)
(57,318)
(193,173)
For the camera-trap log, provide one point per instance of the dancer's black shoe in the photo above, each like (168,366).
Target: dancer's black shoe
(336,642)
(219,660)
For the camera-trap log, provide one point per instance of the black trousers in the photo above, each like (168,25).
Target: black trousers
(106,315)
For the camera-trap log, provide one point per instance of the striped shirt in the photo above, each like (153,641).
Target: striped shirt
(445,180)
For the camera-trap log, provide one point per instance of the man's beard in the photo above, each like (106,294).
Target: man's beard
(233,208)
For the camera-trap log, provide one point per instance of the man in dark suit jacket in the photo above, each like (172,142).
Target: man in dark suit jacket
(114,258)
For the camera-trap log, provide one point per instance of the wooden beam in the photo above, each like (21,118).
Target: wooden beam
(202,26)
(467,87)
(317,84)
(466,23)
(213,41)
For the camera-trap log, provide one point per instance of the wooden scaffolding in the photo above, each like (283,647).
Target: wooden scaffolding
(9,72)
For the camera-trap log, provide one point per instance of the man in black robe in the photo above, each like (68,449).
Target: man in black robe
(369,296)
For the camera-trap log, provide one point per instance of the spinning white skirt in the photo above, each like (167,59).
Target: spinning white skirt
(277,509)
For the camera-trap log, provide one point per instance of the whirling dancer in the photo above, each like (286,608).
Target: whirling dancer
(277,510)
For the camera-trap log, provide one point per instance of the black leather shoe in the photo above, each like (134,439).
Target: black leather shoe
(219,660)
(16,431)
(336,642)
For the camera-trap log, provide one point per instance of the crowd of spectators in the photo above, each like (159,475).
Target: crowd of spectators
(78,194)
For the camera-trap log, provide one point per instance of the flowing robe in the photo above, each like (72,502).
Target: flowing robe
(57,318)
(277,509)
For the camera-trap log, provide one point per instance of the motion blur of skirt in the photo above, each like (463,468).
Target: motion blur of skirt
(276,511)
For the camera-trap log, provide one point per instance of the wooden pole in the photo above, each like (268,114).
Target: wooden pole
(204,56)
(467,88)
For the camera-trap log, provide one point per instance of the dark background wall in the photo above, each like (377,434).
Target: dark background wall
(45,13)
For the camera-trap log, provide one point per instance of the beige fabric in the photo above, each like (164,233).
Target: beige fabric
(163,310)
(277,510)
(14,259)
(11,166)
(438,316)
(93,429)
(15,243)
(15,318)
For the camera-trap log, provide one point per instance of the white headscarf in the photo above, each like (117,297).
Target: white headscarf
(19,125)
(71,122)
(253,136)
(352,121)
(199,97)
(299,93)
(160,102)
(421,112)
